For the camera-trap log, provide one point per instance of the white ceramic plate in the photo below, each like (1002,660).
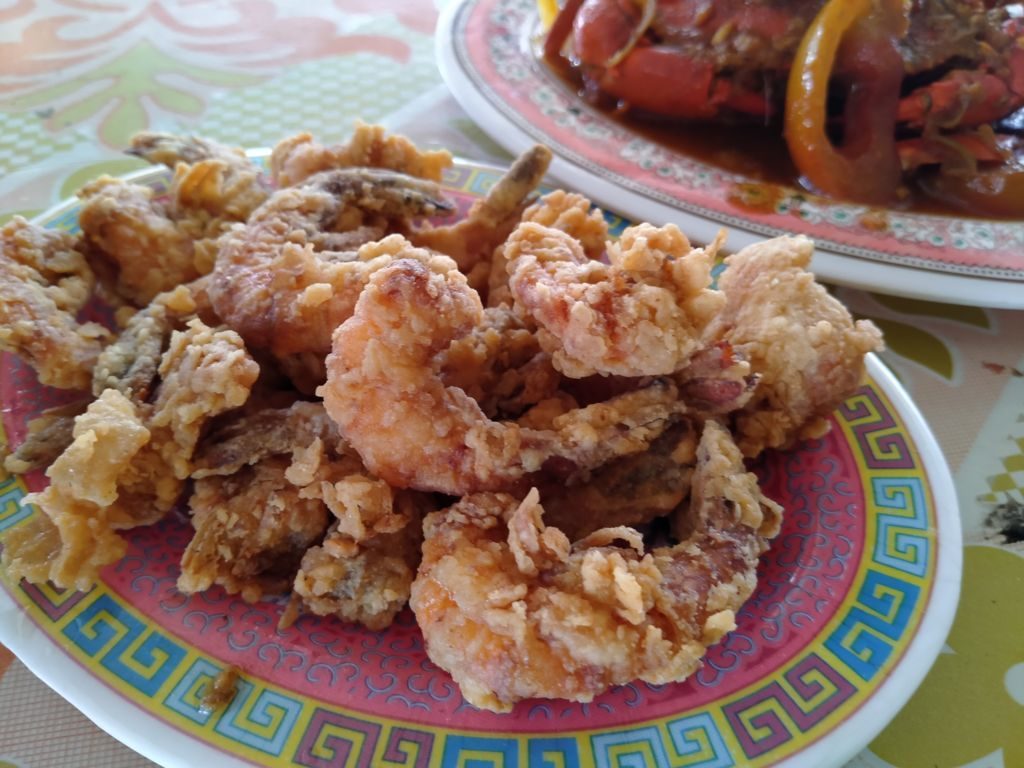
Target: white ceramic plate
(855,598)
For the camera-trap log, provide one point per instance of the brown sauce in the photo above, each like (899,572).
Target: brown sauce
(759,153)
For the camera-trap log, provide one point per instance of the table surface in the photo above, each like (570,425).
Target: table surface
(78,78)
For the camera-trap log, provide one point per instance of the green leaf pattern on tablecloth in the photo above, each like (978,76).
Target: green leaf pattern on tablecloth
(964,315)
(1009,480)
(972,702)
(26,143)
(233,88)
(126,83)
(918,345)
(922,342)
(260,116)
(136,66)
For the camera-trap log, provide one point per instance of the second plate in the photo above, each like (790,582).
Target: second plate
(485,49)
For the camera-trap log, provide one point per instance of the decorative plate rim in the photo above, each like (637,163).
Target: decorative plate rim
(866,272)
(121,717)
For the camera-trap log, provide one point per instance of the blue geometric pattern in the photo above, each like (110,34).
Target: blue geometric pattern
(553,753)
(636,748)
(12,511)
(899,544)
(699,743)
(261,719)
(186,697)
(139,656)
(479,752)
(865,639)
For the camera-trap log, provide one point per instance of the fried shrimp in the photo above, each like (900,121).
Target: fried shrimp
(513,610)
(500,365)
(802,344)
(155,244)
(293,273)
(642,314)
(573,214)
(44,282)
(569,212)
(472,241)
(297,158)
(385,394)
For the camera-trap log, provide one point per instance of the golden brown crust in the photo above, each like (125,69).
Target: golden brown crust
(298,157)
(44,282)
(806,350)
(640,315)
(512,611)
(588,377)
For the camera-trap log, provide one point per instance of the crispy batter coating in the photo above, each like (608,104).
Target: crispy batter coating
(48,435)
(500,364)
(297,158)
(512,610)
(127,224)
(640,315)
(127,462)
(633,490)
(203,373)
(259,524)
(569,212)
(414,432)
(208,176)
(573,214)
(131,363)
(473,240)
(251,531)
(44,281)
(157,243)
(364,568)
(806,350)
(249,438)
(74,536)
(287,278)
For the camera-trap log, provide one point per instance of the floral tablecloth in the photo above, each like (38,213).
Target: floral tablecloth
(79,77)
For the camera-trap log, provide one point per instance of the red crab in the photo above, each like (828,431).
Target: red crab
(905,83)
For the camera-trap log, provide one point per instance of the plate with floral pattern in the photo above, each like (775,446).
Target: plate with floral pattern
(854,599)
(487,51)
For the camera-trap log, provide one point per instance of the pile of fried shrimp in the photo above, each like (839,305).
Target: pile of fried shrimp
(532,433)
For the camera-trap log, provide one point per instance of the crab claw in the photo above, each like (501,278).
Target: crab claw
(669,82)
(961,149)
(965,98)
